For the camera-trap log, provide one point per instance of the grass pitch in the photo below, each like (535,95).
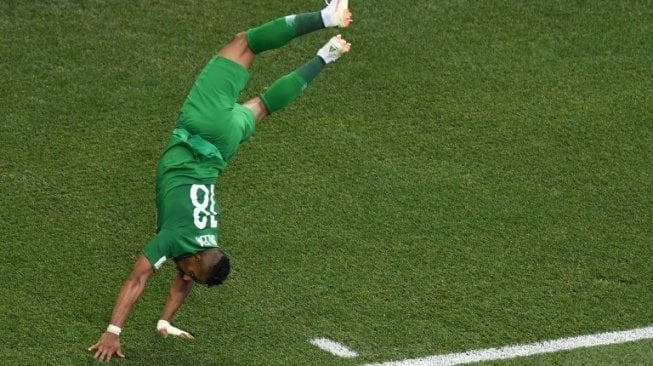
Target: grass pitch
(473,174)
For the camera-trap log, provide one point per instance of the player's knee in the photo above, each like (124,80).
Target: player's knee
(239,42)
(240,37)
(238,50)
(258,108)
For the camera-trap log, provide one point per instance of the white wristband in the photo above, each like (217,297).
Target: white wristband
(161,324)
(114,329)
(169,328)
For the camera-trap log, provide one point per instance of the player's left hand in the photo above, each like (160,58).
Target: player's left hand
(165,329)
(107,346)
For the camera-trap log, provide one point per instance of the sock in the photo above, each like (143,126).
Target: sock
(309,70)
(283,91)
(280,31)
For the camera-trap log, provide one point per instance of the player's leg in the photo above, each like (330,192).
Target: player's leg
(213,96)
(257,107)
(238,51)
(283,91)
(278,32)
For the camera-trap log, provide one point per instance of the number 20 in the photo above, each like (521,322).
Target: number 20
(204,212)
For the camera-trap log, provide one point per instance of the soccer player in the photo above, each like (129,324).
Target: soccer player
(210,127)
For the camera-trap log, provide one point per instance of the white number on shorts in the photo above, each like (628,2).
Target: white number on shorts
(203,199)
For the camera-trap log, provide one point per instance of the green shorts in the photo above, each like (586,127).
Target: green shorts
(187,223)
(211,111)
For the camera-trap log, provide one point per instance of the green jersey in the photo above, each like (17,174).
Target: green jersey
(187,223)
(210,128)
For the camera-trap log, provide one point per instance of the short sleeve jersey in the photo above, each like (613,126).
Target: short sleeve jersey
(210,128)
(187,210)
(188,223)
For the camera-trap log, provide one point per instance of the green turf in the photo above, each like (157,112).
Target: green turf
(474,174)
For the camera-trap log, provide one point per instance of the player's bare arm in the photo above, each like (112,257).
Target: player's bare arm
(109,343)
(179,290)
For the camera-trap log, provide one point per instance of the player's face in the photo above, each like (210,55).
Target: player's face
(188,276)
(189,269)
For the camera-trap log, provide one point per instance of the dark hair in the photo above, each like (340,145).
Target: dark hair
(219,272)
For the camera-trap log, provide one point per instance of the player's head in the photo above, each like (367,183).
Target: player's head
(218,270)
(210,267)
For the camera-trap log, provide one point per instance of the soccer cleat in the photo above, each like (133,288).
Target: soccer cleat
(336,14)
(332,50)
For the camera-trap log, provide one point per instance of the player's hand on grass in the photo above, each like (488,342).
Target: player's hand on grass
(107,347)
(165,329)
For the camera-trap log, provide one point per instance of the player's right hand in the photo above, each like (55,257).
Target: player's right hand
(165,329)
(107,346)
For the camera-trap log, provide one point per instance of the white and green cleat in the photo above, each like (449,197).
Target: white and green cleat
(336,14)
(332,50)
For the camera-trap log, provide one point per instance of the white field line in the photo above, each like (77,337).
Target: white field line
(492,354)
(333,347)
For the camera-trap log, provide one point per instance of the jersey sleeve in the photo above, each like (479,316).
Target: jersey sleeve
(157,251)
